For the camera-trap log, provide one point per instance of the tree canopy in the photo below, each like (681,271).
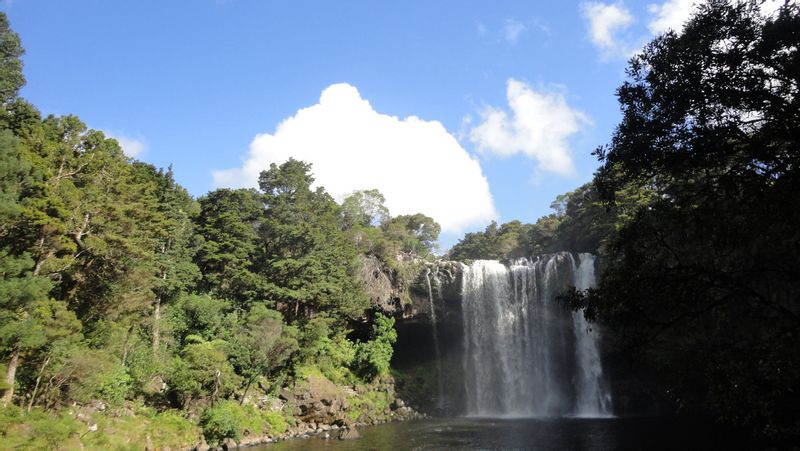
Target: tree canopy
(116,284)
(703,282)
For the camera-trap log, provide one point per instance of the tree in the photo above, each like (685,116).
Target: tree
(202,371)
(416,234)
(306,259)
(364,208)
(228,222)
(702,282)
(176,273)
(11,78)
(30,322)
(260,345)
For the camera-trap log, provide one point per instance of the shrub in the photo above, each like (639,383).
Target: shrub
(114,384)
(372,358)
(224,420)
(276,422)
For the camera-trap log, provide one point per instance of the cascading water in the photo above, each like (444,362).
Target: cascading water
(592,400)
(524,354)
(436,347)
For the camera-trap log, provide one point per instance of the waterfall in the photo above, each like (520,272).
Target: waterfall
(524,354)
(436,347)
(592,400)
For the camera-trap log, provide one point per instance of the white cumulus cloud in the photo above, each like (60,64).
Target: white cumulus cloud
(606,21)
(131,147)
(416,164)
(670,15)
(539,126)
(673,14)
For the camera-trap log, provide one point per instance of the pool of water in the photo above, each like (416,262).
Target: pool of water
(533,434)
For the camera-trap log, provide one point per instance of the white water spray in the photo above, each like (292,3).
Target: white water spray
(524,354)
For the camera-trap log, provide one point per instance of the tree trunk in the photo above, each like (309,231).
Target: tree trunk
(157,318)
(217,374)
(125,348)
(38,380)
(246,387)
(42,257)
(11,376)
(157,325)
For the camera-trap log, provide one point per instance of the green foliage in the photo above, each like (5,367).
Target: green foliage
(225,419)
(307,260)
(582,222)
(228,222)
(701,283)
(198,314)
(364,209)
(11,78)
(506,241)
(228,419)
(202,371)
(38,430)
(89,374)
(276,423)
(415,234)
(115,284)
(261,345)
(371,404)
(114,384)
(329,353)
(372,358)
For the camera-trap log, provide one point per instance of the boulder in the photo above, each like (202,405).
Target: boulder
(349,434)
(286,394)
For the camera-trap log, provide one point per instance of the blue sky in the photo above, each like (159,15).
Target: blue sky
(508,97)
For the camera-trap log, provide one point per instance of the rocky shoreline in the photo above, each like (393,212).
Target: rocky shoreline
(339,430)
(319,408)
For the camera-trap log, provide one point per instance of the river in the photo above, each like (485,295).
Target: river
(526,434)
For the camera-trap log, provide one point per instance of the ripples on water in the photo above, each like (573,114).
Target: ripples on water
(533,434)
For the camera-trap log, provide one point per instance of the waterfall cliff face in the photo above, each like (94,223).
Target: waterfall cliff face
(525,354)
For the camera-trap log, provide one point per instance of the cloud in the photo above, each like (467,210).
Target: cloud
(673,14)
(670,15)
(512,30)
(416,164)
(540,126)
(132,147)
(609,21)
(606,21)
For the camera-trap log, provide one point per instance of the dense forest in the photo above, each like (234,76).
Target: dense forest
(117,285)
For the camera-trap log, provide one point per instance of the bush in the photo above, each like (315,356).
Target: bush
(92,374)
(114,384)
(276,422)
(224,420)
(372,358)
(194,374)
